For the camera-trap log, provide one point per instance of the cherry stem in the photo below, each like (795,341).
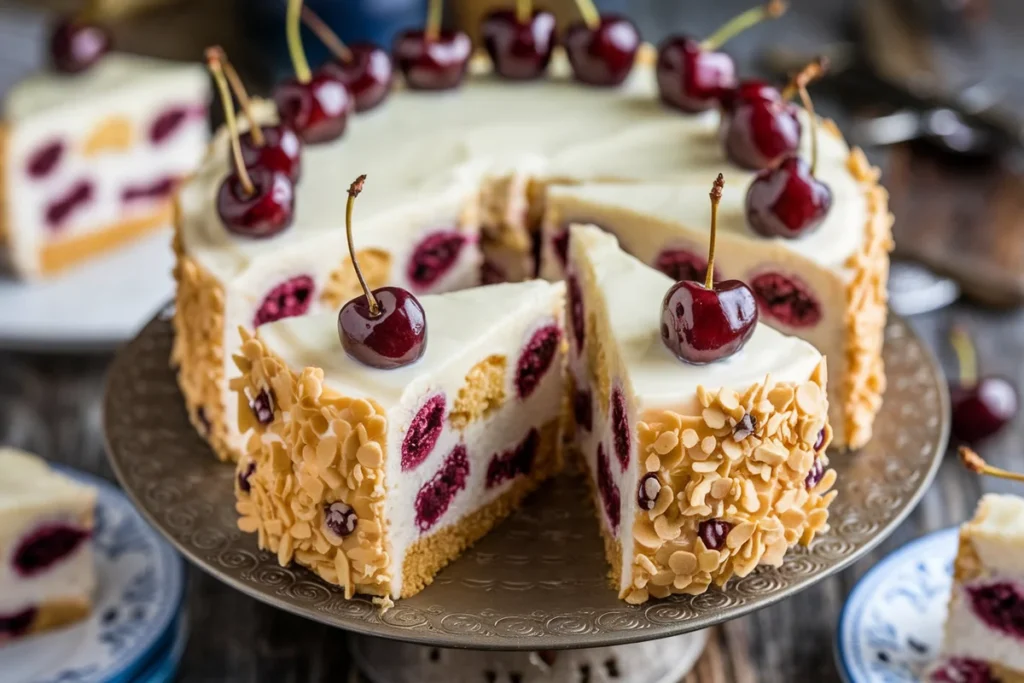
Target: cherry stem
(435,13)
(811,72)
(298,55)
(966,355)
(217,71)
(242,96)
(353,192)
(809,106)
(591,17)
(523,11)
(975,463)
(326,35)
(741,22)
(716,196)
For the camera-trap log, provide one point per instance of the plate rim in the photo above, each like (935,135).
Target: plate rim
(550,641)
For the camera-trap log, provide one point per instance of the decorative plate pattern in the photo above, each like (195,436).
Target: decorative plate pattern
(538,581)
(141,582)
(890,630)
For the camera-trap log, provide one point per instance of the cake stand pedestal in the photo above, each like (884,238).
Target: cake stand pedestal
(656,661)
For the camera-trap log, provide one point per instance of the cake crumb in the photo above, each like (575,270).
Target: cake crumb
(384,603)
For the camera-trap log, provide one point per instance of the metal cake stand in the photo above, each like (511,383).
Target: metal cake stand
(538,582)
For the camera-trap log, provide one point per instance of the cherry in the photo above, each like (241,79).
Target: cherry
(788,200)
(76,45)
(385,328)
(692,75)
(256,202)
(980,407)
(519,42)
(364,68)
(601,48)
(431,58)
(704,323)
(759,132)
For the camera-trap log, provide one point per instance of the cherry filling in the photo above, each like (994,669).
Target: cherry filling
(786,299)
(607,488)
(340,518)
(287,300)
(536,359)
(437,494)
(583,409)
(433,257)
(648,490)
(683,264)
(1000,606)
(59,211)
(815,475)
(820,441)
(560,245)
(963,670)
(263,407)
(170,120)
(620,427)
(45,546)
(155,190)
(576,310)
(243,478)
(423,432)
(713,533)
(16,624)
(512,463)
(44,160)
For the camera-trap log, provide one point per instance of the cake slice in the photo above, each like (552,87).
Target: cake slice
(700,472)
(89,161)
(375,479)
(47,575)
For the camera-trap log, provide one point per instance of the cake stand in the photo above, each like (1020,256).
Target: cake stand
(537,583)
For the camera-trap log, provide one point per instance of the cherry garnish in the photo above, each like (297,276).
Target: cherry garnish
(385,328)
(702,323)
(788,200)
(253,202)
(980,407)
(601,48)
(77,44)
(520,41)
(431,58)
(692,74)
(314,105)
(364,68)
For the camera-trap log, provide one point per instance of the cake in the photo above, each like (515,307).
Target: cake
(700,472)
(47,574)
(89,160)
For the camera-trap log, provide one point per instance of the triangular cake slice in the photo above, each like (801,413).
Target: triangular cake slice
(700,472)
(827,287)
(375,479)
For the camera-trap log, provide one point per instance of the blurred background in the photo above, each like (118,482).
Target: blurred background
(932,89)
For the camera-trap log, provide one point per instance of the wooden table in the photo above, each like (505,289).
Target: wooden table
(51,405)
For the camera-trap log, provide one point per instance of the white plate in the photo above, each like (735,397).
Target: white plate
(95,306)
(137,603)
(890,629)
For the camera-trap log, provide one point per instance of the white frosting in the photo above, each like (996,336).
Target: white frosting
(997,534)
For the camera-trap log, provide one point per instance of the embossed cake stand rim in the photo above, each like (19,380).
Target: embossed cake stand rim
(175,482)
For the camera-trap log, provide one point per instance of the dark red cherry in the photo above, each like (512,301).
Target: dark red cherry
(396,336)
(433,64)
(691,78)
(787,201)
(702,325)
(749,92)
(281,151)
(758,131)
(318,110)
(603,55)
(265,211)
(368,74)
(519,50)
(77,45)
(982,409)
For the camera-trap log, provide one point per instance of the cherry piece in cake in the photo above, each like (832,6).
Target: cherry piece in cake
(45,546)
(433,257)
(431,58)
(385,328)
(787,299)
(77,44)
(423,432)
(693,75)
(702,323)
(980,406)
(601,48)
(713,533)
(437,494)
(536,359)
(519,41)
(788,200)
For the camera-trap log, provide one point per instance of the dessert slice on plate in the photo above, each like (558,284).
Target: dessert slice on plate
(703,432)
(47,575)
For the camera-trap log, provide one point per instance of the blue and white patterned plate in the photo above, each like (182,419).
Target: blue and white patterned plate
(139,596)
(890,629)
(165,665)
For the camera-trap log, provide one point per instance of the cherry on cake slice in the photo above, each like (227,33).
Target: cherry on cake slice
(89,160)
(376,478)
(47,575)
(701,470)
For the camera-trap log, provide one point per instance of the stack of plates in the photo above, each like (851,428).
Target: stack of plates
(138,629)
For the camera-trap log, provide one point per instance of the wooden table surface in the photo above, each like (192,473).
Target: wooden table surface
(51,405)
